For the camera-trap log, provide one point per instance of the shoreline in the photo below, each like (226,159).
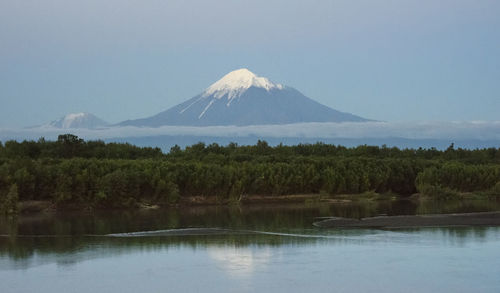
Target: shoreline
(38,206)
(33,207)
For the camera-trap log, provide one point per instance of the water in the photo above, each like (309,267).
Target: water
(247,249)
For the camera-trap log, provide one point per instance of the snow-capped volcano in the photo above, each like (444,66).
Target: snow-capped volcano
(235,83)
(243,98)
(78,120)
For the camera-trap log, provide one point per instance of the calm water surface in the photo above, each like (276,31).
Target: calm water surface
(251,249)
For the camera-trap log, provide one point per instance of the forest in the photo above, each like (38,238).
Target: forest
(94,174)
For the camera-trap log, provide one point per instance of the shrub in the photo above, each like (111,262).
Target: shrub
(495,190)
(438,192)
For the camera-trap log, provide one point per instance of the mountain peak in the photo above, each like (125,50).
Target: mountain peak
(238,81)
(243,98)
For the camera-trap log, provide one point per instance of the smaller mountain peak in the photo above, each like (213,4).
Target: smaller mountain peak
(238,81)
(78,120)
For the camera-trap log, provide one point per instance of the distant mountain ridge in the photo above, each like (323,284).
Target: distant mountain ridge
(243,98)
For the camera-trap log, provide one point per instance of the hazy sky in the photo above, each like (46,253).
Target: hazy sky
(390,60)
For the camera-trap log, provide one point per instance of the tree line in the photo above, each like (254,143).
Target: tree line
(71,171)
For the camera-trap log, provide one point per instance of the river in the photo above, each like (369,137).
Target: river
(255,248)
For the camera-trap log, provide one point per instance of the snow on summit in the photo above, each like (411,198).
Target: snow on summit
(237,82)
(70,119)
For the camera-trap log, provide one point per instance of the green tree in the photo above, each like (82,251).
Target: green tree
(8,204)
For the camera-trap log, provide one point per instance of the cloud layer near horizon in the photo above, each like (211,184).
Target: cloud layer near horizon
(478,130)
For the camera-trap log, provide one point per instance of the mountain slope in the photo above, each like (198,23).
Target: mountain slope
(242,98)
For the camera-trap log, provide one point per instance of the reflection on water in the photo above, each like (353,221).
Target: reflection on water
(26,236)
(239,261)
(247,249)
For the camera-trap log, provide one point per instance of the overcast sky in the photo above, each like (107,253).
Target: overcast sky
(391,60)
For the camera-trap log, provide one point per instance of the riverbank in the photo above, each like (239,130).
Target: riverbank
(371,198)
(32,206)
